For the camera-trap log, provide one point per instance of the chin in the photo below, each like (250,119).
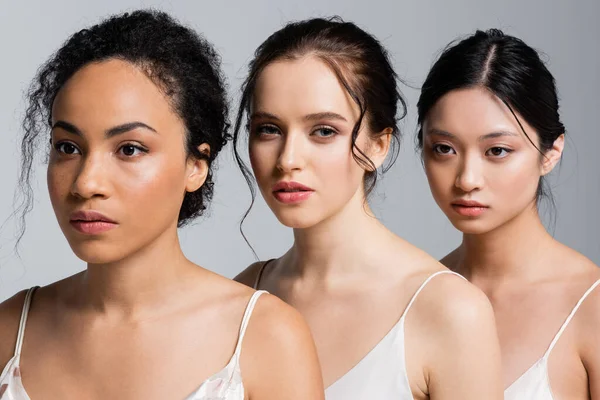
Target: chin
(473,226)
(94,252)
(297,219)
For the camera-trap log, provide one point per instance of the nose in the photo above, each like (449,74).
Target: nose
(292,153)
(92,180)
(470,174)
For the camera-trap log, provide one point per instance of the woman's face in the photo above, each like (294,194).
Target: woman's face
(118,168)
(482,169)
(300,142)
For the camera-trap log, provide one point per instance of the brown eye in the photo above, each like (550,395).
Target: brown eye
(130,150)
(499,152)
(67,148)
(443,149)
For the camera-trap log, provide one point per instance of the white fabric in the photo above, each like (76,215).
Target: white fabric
(224,385)
(381,374)
(534,384)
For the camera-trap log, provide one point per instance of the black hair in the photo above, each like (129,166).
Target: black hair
(508,68)
(361,64)
(183,64)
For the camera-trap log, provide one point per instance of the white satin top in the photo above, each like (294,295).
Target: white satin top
(534,384)
(225,385)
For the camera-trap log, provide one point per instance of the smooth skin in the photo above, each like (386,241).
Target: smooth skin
(474,149)
(142,321)
(349,276)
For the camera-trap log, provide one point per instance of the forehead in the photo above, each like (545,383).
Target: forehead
(470,113)
(300,87)
(110,93)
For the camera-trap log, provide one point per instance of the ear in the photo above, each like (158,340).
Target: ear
(552,156)
(197,170)
(379,146)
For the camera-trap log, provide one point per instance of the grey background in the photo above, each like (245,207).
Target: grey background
(414,31)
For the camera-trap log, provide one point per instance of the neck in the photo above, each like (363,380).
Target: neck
(513,251)
(139,282)
(338,246)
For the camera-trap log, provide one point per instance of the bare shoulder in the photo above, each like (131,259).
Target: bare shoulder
(10,315)
(587,325)
(277,335)
(446,298)
(452,304)
(276,325)
(584,274)
(249,275)
(588,316)
(455,323)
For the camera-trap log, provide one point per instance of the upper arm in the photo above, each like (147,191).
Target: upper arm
(10,315)
(463,361)
(248,276)
(279,359)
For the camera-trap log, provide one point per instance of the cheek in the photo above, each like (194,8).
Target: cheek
(516,180)
(263,159)
(441,178)
(59,178)
(257,155)
(336,167)
(161,179)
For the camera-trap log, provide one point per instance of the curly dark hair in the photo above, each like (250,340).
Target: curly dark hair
(180,61)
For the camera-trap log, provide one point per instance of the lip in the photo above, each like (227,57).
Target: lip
(290,192)
(91,222)
(468,208)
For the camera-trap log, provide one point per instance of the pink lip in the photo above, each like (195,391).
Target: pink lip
(291,192)
(469,208)
(468,203)
(91,222)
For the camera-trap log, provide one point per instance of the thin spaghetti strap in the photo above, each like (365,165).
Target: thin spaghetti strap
(570,317)
(246,319)
(414,297)
(260,273)
(23,322)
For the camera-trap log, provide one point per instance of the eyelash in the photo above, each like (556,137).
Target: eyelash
(141,149)
(59,145)
(326,128)
(437,147)
(507,151)
(262,131)
(59,148)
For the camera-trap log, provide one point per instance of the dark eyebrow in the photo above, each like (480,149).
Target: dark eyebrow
(439,132)
(493,135)
(67,127)
(117,130)
(309,117)
(264,115)
(498,134)
(324,115)
(120,129)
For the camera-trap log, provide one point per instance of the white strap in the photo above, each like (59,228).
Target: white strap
(412,300)
(246,319)
(23,322)
(570,317)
